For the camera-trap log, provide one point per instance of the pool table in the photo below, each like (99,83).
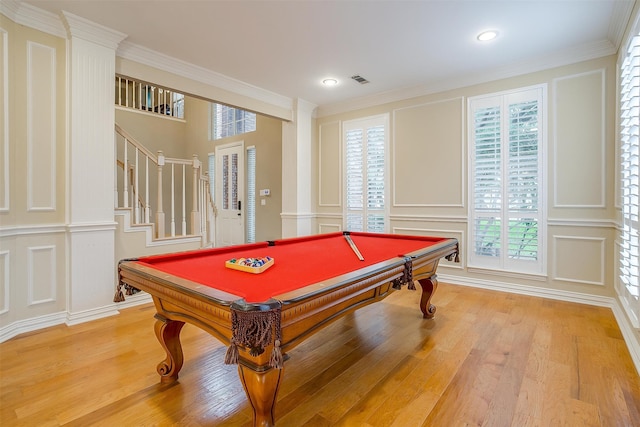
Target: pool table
(260,316)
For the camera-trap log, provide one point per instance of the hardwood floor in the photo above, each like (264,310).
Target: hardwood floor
(487,358)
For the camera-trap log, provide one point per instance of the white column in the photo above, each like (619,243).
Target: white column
(91,160)
(297,216)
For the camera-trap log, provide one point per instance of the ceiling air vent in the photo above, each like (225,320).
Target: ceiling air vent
(360,79)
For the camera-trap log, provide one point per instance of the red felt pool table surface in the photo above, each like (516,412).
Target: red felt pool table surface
(298,262)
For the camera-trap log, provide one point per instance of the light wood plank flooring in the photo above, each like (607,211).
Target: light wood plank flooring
(488,358)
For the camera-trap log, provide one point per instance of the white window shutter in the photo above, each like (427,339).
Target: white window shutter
(629,256)
(365,175)
(506,226)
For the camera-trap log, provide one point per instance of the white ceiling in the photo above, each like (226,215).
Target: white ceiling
(288,47)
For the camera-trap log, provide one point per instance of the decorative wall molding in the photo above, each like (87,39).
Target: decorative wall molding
(602,267)
(90,31)
(296,215)
(597,49)
(33,17)
(576,222)
(5,281)
(27,230)
(329,170)
(328,228)
(91,227)
(41,127)
(4,143)
(45,270)
(394,114)
(430,218)
(602,157)
(158,60)
(457,234)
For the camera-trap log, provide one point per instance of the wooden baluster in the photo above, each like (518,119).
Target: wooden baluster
(125,179)
(146,192)
(159,211)
(195,217)
(135,190)
(184,200)
(173,201)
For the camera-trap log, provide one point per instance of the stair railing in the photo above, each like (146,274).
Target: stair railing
(138,161)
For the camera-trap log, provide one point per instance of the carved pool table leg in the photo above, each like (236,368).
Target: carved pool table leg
(429,286)
(261,388)
(168,333)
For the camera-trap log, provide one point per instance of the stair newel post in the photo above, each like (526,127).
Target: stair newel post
(159,211)
(195,214)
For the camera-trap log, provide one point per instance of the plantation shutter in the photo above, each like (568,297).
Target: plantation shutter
(355,180)
(629,140)
(506,227)
(365,169)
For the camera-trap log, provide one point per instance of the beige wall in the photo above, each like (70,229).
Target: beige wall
(429,178)
(184,138)
(267,139)
(33,265)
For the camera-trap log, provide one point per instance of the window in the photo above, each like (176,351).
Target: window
(365,145)
(629,257)
(506,192)
(228,121)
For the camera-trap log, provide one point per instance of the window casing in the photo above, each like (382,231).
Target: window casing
(365,145)
(629,144)
(228,121)
(507,216)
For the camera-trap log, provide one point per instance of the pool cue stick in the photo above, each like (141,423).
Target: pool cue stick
(354,247)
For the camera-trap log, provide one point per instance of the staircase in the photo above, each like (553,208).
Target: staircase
(147,184)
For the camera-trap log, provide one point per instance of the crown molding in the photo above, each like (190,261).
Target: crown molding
(33,17)
(167,63)
(88,30)
(583,53)
(620,17)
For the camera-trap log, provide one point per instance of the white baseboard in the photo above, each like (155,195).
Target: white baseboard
(29,325)
(629,333)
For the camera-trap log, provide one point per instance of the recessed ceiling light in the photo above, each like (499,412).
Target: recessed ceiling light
(485,36)
(330,82)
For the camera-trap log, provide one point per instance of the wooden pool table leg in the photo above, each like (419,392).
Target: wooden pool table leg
(168,333)
(261,388)
(429,286)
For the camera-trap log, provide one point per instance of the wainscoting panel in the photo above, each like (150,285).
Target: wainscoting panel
(41,127)
(455,234)
(579,140)
(5,281)
(579,259)
(428,154)
(41,274)
(328,228)
(330,165)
